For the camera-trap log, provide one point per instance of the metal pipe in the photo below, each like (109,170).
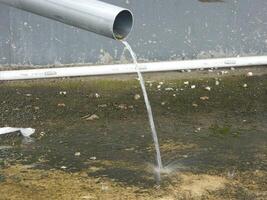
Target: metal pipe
(92,15)
(130,68)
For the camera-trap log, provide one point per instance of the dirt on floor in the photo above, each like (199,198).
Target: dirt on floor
(93,140)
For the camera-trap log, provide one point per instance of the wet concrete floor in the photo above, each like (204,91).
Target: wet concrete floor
(93,139)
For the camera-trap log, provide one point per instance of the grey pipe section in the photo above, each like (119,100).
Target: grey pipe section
(92,15)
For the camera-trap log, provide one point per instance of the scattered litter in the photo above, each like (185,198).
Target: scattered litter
(91,118)
(63,167)
(28,95)
(169,89)
(208,88)
(194,105)
(186,83)
(161,83)
(232,68)
(97,95)
(174,95)
(77,154)
(159,86)
(123,106)
(62,92)
(93,158)
(61,105)
(102,106)
(137,97)
(249,74)
(26,132)
(245,85)
(163,103)
(204,98)
(197,130)
(193,86)
(36,108)
(217,83)
(224,72)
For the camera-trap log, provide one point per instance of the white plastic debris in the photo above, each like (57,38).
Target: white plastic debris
(26,132)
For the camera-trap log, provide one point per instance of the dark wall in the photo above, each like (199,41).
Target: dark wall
(164,30)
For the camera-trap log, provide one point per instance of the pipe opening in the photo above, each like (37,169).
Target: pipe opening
(122,25)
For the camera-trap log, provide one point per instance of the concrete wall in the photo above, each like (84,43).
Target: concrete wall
(164,30)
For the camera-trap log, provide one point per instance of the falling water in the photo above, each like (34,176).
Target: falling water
(149,111)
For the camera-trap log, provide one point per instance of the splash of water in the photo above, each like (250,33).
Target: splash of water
(149,111)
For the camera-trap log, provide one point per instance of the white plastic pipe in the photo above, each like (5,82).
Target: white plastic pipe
(130,68)
(92,15)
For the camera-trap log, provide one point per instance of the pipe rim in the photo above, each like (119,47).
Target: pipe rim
(122,25)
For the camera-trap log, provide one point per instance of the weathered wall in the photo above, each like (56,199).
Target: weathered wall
(164,30)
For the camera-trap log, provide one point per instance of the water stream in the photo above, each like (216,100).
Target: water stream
(149,111)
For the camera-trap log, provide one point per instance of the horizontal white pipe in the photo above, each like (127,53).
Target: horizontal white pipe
(130,68)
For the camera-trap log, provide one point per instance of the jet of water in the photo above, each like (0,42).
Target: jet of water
(149,111)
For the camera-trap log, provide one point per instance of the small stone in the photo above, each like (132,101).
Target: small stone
(193,86)
(208,88)
(137,97)
(249,74)
(63,167)
(28,95)
(93,158)
(194,105)
(161,83)
(92,117)
(174,95)
(159,86)
(77,154)
(217,83)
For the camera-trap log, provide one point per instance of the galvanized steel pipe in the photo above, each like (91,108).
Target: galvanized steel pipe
(92,15)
